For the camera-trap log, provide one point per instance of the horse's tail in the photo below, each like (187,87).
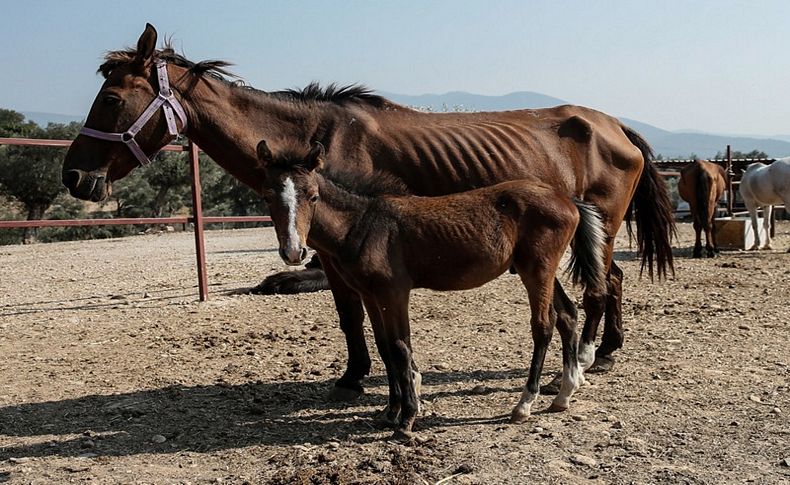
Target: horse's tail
(704,188)
(586,265)
(652,209)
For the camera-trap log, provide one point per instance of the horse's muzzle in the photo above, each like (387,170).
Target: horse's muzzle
(85,185)
(293,257)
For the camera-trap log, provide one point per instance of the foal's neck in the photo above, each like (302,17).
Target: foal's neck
(227,122)
(336,216)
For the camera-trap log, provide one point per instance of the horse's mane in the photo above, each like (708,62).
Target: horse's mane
(216,69)
(290,156)
(334,93)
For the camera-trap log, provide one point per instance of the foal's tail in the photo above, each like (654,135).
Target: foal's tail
(587,263)
(704,188)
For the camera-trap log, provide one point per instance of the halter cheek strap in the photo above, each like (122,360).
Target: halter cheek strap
(165,100)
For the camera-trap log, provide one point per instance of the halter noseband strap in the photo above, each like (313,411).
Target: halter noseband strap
(164,100)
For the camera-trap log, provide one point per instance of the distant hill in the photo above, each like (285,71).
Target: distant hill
(670,144)
(462,101)
(681,143)
(42,119)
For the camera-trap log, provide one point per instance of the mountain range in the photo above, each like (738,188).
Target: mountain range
(670,144)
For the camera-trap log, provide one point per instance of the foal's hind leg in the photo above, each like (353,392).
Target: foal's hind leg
(538,282)
(572,373)
(595,303)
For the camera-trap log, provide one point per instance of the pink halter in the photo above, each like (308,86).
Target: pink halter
(165,100)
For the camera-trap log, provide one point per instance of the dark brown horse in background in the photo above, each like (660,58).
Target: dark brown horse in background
(383,246)
(702,184)
(588,154)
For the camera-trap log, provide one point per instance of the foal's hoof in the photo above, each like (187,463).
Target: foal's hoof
(603,363)
(553,387)
(403,436)
(343,394)
(389,418)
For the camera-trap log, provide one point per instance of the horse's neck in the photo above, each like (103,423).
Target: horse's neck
(336,216)
(228,123)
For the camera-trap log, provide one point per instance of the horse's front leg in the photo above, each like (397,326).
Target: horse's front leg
(752,208)
(352,316)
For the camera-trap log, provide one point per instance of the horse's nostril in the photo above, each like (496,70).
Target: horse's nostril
(282,255)
(71,178)
(303,254)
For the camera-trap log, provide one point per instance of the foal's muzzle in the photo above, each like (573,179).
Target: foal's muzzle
(86,185)
(293,257)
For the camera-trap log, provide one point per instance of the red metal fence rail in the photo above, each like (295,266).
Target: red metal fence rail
(196,218)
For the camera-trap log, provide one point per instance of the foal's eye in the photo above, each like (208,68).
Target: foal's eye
(313,199)
(111,100)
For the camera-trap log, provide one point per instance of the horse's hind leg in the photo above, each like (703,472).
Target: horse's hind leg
(767,211)
(351,315)
(572,374)
(697,238)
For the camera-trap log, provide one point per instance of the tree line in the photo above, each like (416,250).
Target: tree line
(31,188)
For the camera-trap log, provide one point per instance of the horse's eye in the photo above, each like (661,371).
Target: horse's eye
(314,199)
(111,100)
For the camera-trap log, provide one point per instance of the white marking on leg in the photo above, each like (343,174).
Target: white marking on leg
(417,379)
(571,380)
(289,200)
(586,354)
(524,407)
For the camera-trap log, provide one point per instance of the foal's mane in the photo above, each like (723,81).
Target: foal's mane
(371,184)
(216,69)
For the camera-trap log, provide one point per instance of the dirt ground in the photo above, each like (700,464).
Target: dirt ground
(112,372)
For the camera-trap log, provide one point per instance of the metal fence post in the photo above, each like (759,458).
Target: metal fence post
(197,215)
(730,175)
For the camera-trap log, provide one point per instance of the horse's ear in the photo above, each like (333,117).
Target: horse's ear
(315,159)
(146,45)
(263,152)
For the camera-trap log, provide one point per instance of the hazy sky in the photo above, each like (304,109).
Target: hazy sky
(718,66)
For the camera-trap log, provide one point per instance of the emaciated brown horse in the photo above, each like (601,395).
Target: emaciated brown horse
(384,246)
(582,152)
(702,184)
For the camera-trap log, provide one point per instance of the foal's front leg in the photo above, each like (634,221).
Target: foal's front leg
(352,316)
(394,310)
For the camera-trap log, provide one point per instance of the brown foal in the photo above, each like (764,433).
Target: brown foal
(385,245)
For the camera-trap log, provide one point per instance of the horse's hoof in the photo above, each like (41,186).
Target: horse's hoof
(553,387)
(518,417)
(556,408)
(603,363)
(754,248)
(343,394)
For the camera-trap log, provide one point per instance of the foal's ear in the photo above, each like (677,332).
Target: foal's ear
(315,159)
(146,45)
(263,152)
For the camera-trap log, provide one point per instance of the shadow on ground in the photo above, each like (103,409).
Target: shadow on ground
(216,417)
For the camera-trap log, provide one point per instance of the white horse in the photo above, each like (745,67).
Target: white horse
(763,186)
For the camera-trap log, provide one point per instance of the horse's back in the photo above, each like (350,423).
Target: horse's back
(450,152)
(763,184)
